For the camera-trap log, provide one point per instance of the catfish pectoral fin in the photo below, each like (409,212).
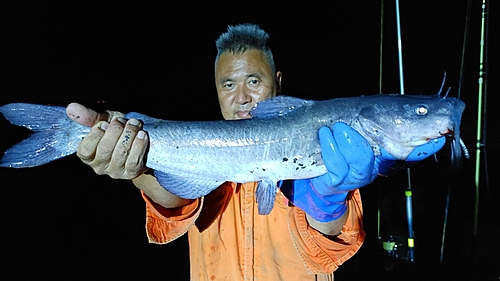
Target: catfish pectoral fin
(266,195)
(186,187)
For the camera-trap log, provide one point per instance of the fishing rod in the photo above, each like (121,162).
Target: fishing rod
(481,122)
(462,144)
(480,142)
(408,191)
(391,245)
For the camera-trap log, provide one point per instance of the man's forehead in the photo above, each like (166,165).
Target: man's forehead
(254,61)
(243,52)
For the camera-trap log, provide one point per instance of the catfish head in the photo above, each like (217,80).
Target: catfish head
(399,123)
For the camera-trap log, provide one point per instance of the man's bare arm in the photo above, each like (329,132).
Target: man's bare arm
(332,228)
(150,186)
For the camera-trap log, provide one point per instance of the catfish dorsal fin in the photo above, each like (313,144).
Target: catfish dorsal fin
(278,106)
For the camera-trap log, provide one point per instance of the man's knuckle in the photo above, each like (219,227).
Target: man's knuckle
(129,174)
(134,165)
(106,148)
(85,150)
(120,153)
(84,154)
(98,170)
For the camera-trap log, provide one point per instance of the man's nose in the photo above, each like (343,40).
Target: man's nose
(243,95)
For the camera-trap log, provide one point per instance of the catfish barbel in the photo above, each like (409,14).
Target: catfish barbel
(280,142)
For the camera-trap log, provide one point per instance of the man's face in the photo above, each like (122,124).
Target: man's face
(242,80)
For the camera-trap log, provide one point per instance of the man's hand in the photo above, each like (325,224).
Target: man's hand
(388,164)
(114,146)
(117,147)
(351,164)
(349,159)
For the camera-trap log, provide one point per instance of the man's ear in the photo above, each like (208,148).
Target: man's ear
(278,82)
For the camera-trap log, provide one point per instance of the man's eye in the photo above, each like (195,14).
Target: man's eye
(228,85)
(253,81)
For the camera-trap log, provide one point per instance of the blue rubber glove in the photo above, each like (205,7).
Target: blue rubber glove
(351,165)
(388,164)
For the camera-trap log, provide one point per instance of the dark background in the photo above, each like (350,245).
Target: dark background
(61,221)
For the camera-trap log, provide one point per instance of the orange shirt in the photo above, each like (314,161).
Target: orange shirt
(229,240)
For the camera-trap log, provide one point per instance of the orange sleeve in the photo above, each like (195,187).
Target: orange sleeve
(165,225)
(320,254)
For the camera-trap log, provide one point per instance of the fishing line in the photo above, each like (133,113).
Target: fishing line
(462,144)
(380,92)
(400,50)
(466,36)
(381,45)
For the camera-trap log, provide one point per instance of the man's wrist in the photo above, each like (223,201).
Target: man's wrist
(322,208)
(329,229)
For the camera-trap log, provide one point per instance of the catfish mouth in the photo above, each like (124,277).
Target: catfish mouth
(397,142)
(401,144)
(449,133)
(456,146)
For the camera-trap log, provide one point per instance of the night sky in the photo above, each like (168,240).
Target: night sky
(61,221)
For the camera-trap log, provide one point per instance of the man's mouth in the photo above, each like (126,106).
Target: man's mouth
(243,114)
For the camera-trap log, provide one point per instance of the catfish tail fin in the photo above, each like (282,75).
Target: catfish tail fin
(54,134)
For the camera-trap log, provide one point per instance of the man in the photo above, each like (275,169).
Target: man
(312,229)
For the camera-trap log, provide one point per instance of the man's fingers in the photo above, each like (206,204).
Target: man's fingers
(425,150)
(117,148)
(123,146)
(135,161)
(88,146)
(109,141)
(110,115)
(83,115)
(334,161)
(356,151)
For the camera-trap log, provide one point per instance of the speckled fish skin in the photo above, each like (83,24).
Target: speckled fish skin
(284,145)
(280,142)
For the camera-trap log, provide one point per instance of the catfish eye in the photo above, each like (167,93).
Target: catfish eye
(421,109)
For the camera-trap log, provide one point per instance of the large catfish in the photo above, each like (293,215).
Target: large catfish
(280,142)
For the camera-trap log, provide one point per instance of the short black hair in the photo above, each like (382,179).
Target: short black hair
(242,37)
